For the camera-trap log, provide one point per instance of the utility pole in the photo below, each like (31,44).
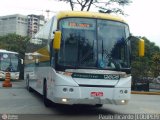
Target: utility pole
(48,11)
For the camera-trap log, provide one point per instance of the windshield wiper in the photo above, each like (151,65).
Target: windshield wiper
(89,52)
(102,49)
(116,64)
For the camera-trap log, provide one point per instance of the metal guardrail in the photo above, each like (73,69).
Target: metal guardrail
(146,84)
(154,86)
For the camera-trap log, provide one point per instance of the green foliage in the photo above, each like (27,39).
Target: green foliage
(16,43)
(13,42)
(156,64)
(148,65)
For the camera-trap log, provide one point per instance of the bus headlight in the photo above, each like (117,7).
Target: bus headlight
(71,89)
(64,100)
(123,101)
(126,91)
(123,91)
(64,89)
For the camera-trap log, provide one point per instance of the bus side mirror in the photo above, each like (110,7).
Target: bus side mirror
(141,48)
(57,40)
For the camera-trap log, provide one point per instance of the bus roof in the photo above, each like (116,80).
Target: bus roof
(6,51)
(67,14)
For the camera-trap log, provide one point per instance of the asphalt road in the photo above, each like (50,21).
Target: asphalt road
(18,101)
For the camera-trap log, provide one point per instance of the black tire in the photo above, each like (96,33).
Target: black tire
(27,84)
(99,105)
(47,103)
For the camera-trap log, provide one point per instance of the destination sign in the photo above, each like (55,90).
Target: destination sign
(96,76)
(78,25)
(83,25)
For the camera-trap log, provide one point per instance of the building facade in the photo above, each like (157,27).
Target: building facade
(21,25)
(35,22)
(13,24)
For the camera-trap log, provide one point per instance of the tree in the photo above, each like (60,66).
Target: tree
(156,64)
(147,66)
(105,6)
(17,43)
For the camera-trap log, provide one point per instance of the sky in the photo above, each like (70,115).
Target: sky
(143,15)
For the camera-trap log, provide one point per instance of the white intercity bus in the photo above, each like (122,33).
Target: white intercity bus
(9,60)
(81,58)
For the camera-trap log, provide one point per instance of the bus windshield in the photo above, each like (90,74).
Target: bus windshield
(9,61)
(93,43)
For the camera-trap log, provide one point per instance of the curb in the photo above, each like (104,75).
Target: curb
(145,93)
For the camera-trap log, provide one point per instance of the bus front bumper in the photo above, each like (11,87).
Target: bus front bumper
(84,95)
(71,101)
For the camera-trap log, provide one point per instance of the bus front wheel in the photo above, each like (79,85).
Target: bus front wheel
(99,105)
(27,85)
(45,100)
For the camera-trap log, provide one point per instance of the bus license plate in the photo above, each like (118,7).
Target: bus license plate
(96,94)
